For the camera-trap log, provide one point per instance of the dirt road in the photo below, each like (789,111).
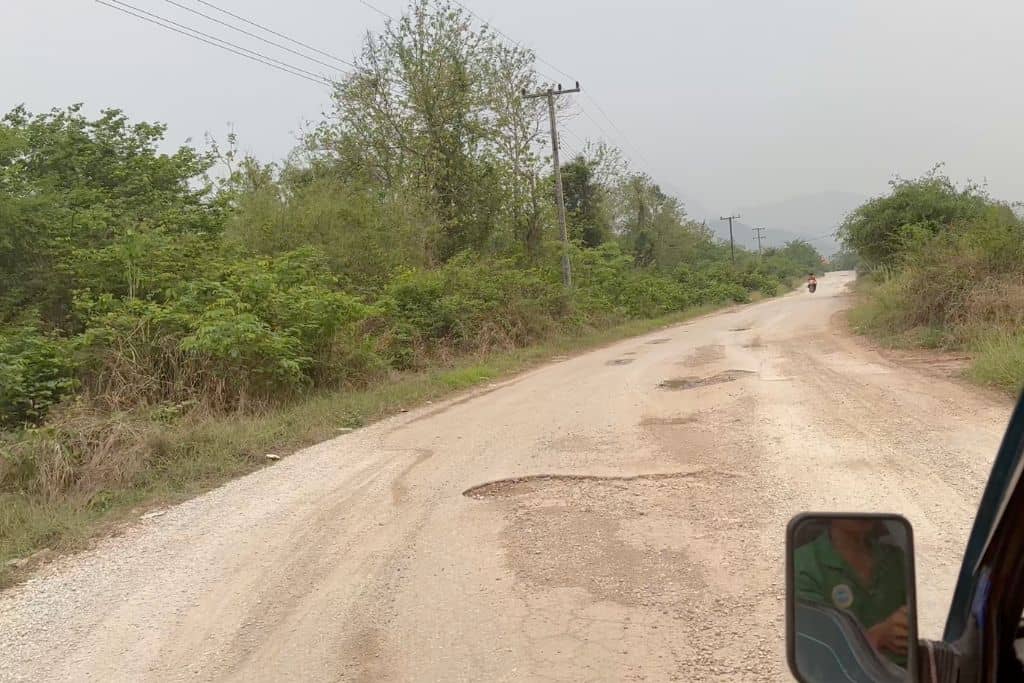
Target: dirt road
(614,516)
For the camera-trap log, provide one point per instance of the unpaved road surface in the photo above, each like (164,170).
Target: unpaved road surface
(615,516)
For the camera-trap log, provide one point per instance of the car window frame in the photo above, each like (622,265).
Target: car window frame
(1003,481)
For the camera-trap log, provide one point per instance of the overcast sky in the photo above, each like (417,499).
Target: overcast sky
(727,102)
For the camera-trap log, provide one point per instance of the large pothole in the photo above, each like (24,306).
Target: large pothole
(503,488)
(633,540)
(683,383)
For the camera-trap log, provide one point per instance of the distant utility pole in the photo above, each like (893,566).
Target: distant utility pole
(559,195)
(759,233)
(732,245)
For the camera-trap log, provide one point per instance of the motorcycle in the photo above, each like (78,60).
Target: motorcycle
(811,286)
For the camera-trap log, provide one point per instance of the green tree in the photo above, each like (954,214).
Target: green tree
(883,228)
(74,190)
(586,207)
(434,109)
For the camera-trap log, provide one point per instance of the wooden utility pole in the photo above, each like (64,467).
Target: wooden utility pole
(551,94)
(759,233)
(732,244)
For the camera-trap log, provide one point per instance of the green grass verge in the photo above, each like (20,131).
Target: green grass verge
(997,356)
(198,454)
(999,361)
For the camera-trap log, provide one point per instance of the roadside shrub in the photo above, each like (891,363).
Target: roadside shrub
(259,329)
(951,276)
(470,304)
(915,210)
(80,454)
(36,372)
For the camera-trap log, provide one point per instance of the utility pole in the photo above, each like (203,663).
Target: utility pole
(732,245)
(551,94)
(759,233)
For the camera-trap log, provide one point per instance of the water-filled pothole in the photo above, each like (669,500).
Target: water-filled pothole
(682,383)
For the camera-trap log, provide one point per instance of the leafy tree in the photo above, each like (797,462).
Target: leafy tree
(587,213)
(883,228)
(654,225)
(434,109)
(802,254)
(71,187)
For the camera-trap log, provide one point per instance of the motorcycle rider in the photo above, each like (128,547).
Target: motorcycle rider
(812,282)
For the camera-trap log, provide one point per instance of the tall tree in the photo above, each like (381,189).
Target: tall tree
(78,191)
(434,108)
(585,203)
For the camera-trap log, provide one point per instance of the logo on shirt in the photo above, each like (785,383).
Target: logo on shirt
(842,596)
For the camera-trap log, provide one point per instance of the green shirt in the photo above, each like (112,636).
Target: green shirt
(822,576)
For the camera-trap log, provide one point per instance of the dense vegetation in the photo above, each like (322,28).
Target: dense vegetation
(147,297)
(946,268)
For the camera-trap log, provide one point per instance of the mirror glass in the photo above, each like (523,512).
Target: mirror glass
(850,598)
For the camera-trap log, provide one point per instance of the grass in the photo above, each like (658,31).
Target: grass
(999,361)
(198,453)
(996,350)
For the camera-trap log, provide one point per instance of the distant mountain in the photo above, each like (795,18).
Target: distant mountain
(812,217)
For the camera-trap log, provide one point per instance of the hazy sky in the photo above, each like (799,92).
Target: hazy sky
(727,102)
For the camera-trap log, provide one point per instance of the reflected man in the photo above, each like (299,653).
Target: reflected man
(848,568)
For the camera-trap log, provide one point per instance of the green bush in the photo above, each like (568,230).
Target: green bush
(257,328)
(952,273)
(915,210)
(36,372)
(471,304)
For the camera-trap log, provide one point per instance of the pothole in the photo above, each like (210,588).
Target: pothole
(514,486)
(668,421)
(620,361)
(683,383)
(704,355)
(738,329)
(659,341)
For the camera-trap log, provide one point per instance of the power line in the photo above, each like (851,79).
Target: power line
(623,135)
(577,138)
(209,40)
(571,78)
(275,33)
(377,9)
(483,21)
(259,37)
(829,235)
(595,122)
(513,40)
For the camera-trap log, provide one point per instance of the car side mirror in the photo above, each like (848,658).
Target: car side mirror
(851,608)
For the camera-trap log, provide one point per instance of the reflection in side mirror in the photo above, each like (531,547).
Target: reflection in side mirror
(851,612)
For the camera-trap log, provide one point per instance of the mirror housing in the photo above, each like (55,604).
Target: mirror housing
(851,608)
